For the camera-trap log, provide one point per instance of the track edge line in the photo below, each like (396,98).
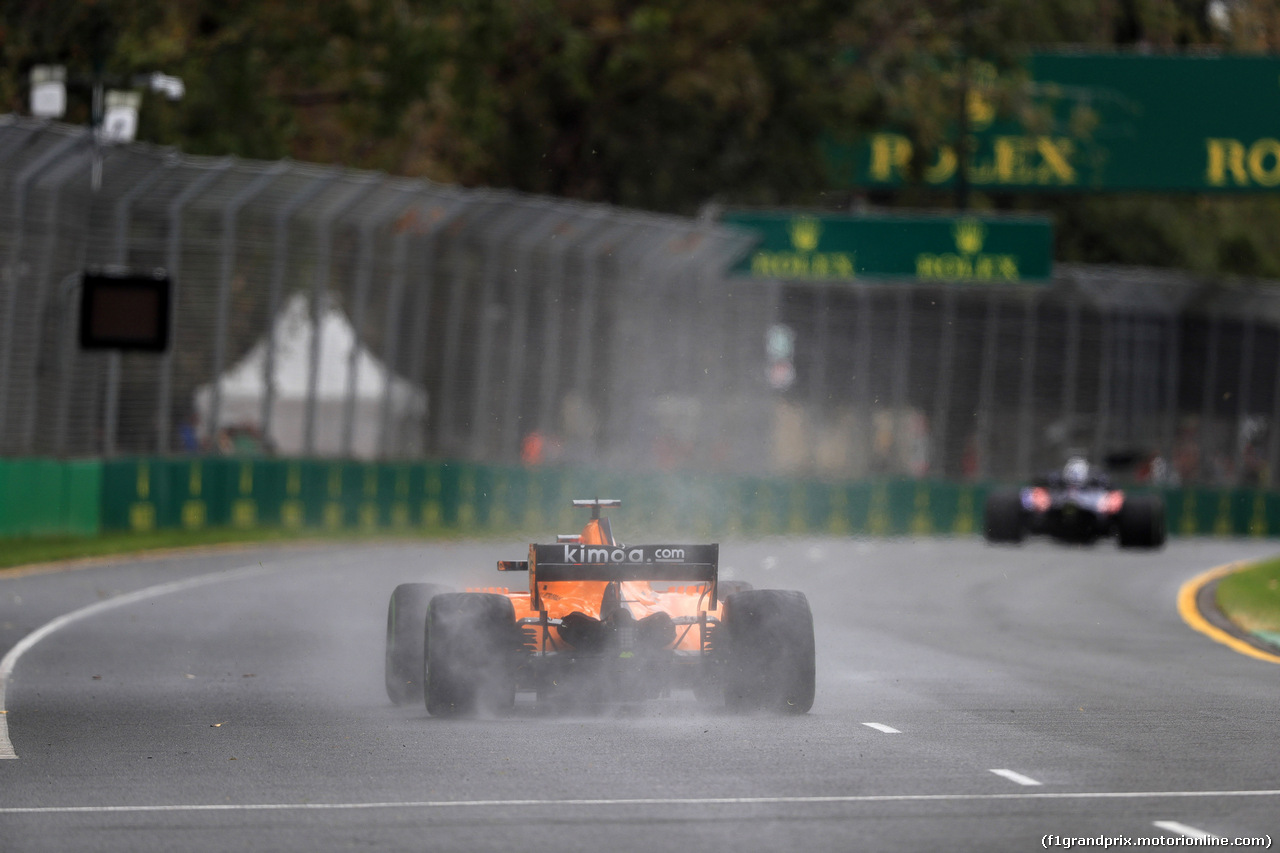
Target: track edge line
(1189,610)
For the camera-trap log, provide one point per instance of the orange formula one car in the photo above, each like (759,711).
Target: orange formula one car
(601,622)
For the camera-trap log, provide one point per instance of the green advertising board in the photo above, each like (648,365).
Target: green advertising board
(44,497)
(1104,122)
(823,247)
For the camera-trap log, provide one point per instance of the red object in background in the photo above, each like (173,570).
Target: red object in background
(531,449)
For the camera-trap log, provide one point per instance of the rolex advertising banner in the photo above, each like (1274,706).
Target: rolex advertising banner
(1097,122)
(822,247)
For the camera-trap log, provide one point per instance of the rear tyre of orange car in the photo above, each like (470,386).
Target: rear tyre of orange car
(406,630)
(1141,522)
(471,647)
(1002,517)
(770,663)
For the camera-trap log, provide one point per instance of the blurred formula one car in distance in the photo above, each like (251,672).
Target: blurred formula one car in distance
(1077,504)
(601,622)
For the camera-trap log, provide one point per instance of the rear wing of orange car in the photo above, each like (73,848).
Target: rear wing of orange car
(575,561)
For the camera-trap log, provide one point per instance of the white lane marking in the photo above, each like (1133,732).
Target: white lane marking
(881,727)
(1181,829)
(24,645)
(644,801)
(1014,776)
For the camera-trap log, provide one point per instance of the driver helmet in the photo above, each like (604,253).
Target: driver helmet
(1076,471)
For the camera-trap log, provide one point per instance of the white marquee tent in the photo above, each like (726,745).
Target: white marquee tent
(243,388)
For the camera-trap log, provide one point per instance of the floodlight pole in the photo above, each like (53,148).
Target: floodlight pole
(114,359)
(173,89)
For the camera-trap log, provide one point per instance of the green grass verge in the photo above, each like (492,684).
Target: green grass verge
(1251,597)
(21,552)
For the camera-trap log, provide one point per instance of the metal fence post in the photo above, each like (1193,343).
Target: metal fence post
(174,261)
(619,292)
(1106,368)
(1172,351)
(124,208)
(65,377)
(818,393)
(704,336)
(13,271)
(1243,398)
(324,249)
(901,349)
(1123,332)
(1026,385)
(364,275)
(120,253)
(862,349)
(447,438)
(526,244)
(454,206)
(279,267)
(481,419)
(42,291)
(946,367)
(420,311)
(1151,371)
(584,342)
(580,241)
(111,408)
(658,262)
(226,269)
(1207,393)
(706,327)
(1273,432)
(8,146)
(701,295)
(391,325)
(686,331)
(715,351)
(1071,366)
(987,385)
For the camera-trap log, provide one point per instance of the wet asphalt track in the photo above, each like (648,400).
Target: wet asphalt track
(249,714)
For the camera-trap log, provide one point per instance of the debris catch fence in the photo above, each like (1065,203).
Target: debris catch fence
(323,312)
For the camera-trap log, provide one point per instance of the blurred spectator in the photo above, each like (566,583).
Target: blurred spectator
(239,441)
(189,434)
(969,463)
(533,449)
(1254,473)
(1186,455)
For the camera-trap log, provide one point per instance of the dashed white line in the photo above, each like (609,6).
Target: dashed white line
(881,727)
(24,645)
(1014,776)
(1181,829)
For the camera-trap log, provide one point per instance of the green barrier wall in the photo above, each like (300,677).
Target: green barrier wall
(49,497)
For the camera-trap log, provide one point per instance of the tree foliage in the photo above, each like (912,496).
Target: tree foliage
(660,104)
